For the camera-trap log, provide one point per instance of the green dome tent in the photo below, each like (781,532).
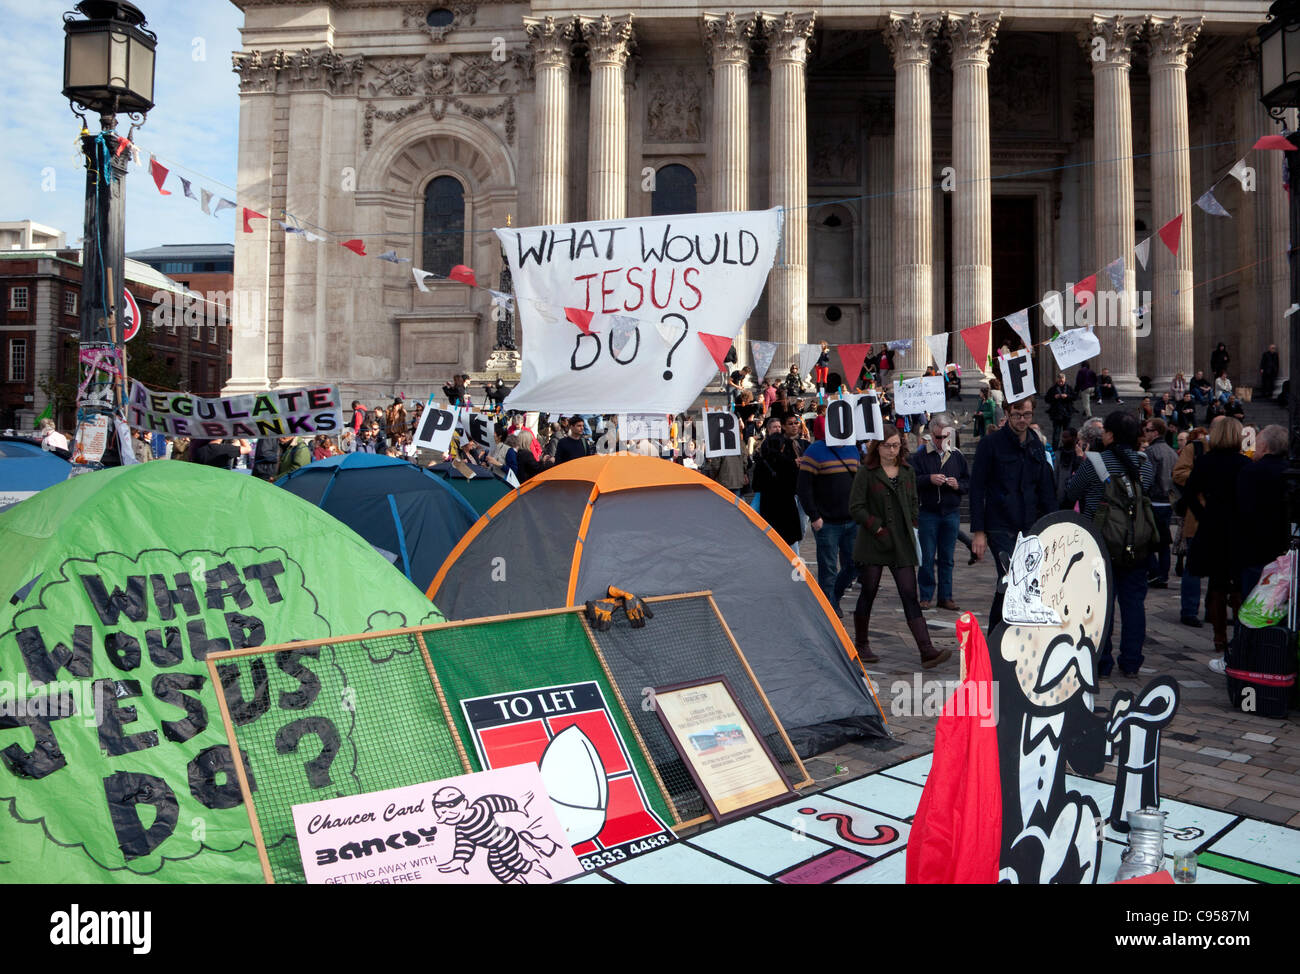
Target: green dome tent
(114,587)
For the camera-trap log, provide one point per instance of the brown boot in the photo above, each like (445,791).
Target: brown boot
(930,657)
(860,620)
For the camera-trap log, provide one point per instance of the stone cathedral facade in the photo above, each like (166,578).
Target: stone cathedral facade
(939,168)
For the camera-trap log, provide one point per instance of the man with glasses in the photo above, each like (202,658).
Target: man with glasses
(1011,487)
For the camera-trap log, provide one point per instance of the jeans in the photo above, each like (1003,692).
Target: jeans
(938,536)
(1130,594)
(1158,562)
(835,542)
(1190,595)
(1200,395)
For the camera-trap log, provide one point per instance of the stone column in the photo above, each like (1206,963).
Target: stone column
(880,189)
(1110,46)
(1269,170)
(972,202)
(788,39)
(609,42)
(1171,40)
(726,39)
(551,41)
(249,338)
(909,38)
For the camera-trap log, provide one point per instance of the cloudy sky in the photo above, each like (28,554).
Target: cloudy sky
(194,126)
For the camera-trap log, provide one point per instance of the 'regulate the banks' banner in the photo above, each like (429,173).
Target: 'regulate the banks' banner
(251,415)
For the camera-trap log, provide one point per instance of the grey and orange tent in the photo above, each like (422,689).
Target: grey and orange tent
(656,528)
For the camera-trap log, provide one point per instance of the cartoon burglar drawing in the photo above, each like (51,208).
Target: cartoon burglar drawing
(476,827)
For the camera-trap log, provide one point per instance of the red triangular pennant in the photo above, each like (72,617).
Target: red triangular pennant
(718,346)
(251,215)
(578,316)
(852,356)
(1087,286)
(159,173)
(1274,142)
(1171,233)
(977,339)
(358,247)
(463,274)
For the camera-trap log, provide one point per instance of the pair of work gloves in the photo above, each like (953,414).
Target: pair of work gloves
(600,612)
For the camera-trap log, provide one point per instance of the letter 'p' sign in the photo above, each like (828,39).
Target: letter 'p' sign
(721,434)
(436,427)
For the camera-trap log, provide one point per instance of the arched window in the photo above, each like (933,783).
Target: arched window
(674,191)
(444,225)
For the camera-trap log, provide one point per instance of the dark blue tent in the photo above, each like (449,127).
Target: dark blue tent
(404,510)
(25,468)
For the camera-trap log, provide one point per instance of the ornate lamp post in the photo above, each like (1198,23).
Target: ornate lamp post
(108,67)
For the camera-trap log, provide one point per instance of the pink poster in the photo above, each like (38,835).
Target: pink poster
(492,827)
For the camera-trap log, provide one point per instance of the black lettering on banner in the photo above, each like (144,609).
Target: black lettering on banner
(132,602)
(1016,368)
(318,768)
(213,781)
(480,431)
(720,428)
(573,359)
(164,645)
(224,583)
(243,711)
(245,630)
(123,650)
(125,791)
(265,573)
(200,644)
(839,420)
(290,663)
(167,599)
(112,738)
(435,421)
(46,756)
(44,667)
(167,688)
(324,422)
(867,407)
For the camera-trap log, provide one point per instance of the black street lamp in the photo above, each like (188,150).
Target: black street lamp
(1279,89)
(108,67)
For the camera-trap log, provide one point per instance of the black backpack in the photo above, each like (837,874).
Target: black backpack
(1124,517)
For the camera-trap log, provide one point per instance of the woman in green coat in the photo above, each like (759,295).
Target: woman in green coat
(883,502)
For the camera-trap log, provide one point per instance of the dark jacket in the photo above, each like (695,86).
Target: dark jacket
(825,481)
(1060,403)
(934,498)
(1219,359)
(266,459)
(1268,364)
(776,475)
(1262,526)
(1215,552)
(1011,483)
(570,449)
(1085,379)
(886,517)
(1067,464)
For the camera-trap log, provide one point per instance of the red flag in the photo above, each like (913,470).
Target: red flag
(463,274)
(578,316)
(1274,142)
(1087,286)
(956,833)
(122,144)
(977,339)
(251,215)
(159,173)
(1171,233)
(852,356)
(718,346)
(358,247)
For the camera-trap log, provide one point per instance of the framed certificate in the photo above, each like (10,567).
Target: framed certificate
(728,759)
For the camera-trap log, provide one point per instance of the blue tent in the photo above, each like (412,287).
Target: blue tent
(404,510)
(25,468)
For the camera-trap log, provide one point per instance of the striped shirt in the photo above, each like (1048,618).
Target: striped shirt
(1087,487)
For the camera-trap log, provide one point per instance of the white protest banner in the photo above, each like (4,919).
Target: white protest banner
(920,395)
(1074,346)
(252,415)
(478,428)
(436,429)
(691,273)
(852,419)
(721,434)
(1017,375)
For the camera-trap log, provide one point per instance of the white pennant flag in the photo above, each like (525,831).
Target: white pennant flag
(420,277)
(1244,174)
(1210,205)
(1052,310)
(808,355)
(1019,322)
(312,237)
(938,348)
(185,184)
(762,353)
(392,258)
(1143,252)
(223,204)
(670,331)
(623,328)
(203,203)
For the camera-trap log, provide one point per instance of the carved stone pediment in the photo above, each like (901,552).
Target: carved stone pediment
(674,105)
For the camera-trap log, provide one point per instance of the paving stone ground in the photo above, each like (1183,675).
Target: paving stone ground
(1210,754)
